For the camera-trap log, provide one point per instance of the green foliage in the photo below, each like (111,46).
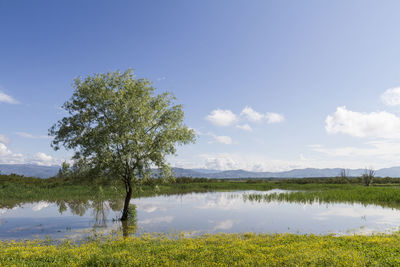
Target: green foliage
(117,125)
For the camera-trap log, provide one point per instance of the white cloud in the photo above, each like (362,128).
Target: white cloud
(31,136)
(251,114)
(4,150)
(236,161)
(391,97)
(244,127)
(221,117)
(220,162)
(274,117)
(8,157)
(375,124)
(385,150)
(254,116)
(265,163)
(43,159)
(4,139)
(223,139)
(7,99)
(226,117)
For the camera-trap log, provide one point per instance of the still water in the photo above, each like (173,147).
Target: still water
(195,213)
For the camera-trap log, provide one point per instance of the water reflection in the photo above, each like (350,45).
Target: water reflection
(75,219)
(228,212)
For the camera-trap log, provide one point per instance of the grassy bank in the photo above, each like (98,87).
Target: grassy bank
(211,250)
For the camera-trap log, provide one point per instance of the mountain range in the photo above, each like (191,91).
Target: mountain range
(49,171)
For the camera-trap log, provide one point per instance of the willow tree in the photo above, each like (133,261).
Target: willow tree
(117,124)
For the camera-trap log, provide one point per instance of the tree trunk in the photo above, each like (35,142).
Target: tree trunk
(128,197)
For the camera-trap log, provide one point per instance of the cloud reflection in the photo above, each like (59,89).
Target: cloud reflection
(40,205)
(224,225)
(164,219)
(379,214)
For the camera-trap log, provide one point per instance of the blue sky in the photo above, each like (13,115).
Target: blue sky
(267,85)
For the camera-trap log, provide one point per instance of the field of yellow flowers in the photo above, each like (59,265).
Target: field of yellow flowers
(209,250)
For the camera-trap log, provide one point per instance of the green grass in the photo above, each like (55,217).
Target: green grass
(210,250)
(383,196)
(15,190)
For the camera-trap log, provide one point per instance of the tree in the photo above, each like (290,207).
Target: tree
(368,176)
(118,126)
(64,170)
(344,174)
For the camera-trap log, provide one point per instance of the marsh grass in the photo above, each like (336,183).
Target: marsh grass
(16,190)
(382,196)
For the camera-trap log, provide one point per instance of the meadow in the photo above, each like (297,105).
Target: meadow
(210,250)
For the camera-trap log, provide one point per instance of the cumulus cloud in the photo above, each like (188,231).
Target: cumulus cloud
(31,136)
(221,117)
(274,117)
(220,162)
(244,127)
(375,124)
(252,115)
(249,162)
(7,99)
(4,139)
(391,97)
(43,159)
(8,157)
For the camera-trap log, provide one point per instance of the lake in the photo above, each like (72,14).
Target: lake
(196,213)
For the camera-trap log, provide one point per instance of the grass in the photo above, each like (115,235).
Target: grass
(382,196)
(15,190)
(210,250)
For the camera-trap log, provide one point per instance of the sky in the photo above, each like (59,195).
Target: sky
(267,85)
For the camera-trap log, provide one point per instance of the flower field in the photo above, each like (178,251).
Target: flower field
(209,250)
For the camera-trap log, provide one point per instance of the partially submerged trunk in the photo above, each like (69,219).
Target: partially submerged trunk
(125,212)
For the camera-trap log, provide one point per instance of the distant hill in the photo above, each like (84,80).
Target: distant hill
(49,171)
(29,170)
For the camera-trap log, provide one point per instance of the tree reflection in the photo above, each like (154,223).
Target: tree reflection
(129,226)
(100,210)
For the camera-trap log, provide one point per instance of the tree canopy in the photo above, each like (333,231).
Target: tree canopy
(117,124)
